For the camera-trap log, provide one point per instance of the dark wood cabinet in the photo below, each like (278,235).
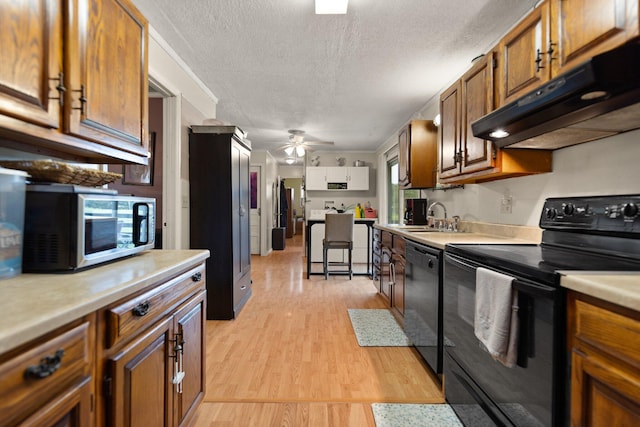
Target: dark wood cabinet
(605,362)
(153,354)
(49,382)
(418,155)
(219,158)
(398,262)
(74,79)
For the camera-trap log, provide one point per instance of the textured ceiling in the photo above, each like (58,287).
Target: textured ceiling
(353,79)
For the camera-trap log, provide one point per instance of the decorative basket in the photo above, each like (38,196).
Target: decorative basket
(370,213)
(63,173)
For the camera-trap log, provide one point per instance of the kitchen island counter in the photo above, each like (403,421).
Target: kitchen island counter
(34,304)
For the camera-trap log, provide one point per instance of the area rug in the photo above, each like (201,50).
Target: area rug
(377,328)
(411,414)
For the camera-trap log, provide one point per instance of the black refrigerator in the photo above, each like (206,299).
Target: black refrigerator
(219,158)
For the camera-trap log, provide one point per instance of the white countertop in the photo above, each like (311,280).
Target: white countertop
(621,288)
(34,304)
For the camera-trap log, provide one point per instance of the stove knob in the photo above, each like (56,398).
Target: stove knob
(550,213)
(568,209)
(630,210)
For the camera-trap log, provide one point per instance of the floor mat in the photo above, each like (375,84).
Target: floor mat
(410,414)
(377,328)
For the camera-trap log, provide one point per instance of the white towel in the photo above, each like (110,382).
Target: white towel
(496,315)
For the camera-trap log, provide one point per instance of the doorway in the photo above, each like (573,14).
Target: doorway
(255,208)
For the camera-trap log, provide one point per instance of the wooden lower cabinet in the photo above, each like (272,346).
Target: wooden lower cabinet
(154,375)
(398,261)
(605,363)
(49,381)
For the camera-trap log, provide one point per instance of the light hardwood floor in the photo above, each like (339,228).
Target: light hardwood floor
(291,357)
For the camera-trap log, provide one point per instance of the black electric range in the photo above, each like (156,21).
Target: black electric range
(600,233)
(581,233)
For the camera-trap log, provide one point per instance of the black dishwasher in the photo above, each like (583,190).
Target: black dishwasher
(423,302)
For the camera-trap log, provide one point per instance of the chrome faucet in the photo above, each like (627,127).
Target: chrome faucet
(430,209)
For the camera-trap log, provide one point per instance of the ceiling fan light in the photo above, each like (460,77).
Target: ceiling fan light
(289,151)
(331,7)
(290,160)
(300,150)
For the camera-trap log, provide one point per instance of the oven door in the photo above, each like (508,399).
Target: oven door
(530,394)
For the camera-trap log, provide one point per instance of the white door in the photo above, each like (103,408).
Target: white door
(254,219)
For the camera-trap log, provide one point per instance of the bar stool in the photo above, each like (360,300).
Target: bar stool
(338,234)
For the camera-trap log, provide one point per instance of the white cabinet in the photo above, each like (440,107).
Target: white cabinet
(337,178)
(316,179)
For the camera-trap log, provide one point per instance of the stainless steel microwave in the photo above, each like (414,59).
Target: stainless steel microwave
(69,227)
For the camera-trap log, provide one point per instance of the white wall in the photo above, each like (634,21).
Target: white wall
(269,177)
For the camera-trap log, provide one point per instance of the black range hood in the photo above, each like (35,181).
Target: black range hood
(596,99)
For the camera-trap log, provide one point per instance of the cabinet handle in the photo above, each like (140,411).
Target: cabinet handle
(60,88)
(179,373)
(82,99)
(538,60)
(48,365)
(197,277)
(551,50)
(141,309)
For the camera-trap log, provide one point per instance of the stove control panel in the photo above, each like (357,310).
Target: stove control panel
(598,213)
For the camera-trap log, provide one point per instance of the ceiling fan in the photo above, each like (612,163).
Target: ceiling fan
(297,146)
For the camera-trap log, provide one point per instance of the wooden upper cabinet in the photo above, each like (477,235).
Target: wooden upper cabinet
(477,101)
(557,36)
(466,101)
(450,141)
(30,42)
(584,28)
(73,79)
(418,155)
(465,158)
(108,86)
(523,58)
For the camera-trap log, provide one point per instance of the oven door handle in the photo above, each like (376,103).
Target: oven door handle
(460,263)
(534,289)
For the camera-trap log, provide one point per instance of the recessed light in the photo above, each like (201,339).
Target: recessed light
(499,133)
(331,7)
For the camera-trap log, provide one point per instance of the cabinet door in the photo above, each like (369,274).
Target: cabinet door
(245,201)
(450,131)
(189,327)
(386,274)
(397,299)
(404,157)
(316,178)
(584,28)
(30,42)
(140,377)
(603,394)
(524,61)
(337,174)
(358,178)
(477,101)
(107,94)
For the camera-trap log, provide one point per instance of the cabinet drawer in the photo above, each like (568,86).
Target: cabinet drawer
(42,372)
(607,330)
(376,234)
(125,319)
